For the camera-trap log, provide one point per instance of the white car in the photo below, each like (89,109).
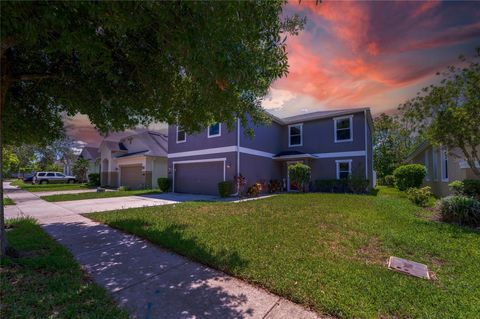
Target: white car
(52,177)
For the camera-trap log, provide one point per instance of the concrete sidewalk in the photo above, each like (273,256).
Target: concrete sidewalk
(148,281)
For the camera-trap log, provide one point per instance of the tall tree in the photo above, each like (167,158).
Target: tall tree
(448,113)
(129,63)
(392,143)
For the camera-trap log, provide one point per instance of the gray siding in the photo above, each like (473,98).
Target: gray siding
(268,138)
(259,169)
(200,140)
(318,136)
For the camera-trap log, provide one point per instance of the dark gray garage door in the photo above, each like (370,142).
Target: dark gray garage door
(132,176)
(198,178)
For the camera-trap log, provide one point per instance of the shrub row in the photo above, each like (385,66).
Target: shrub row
(94,179)
(351,185)
(468,188)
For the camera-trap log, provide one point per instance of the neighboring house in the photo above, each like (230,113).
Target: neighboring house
(335,144)
(136,161)
(92,155)
(442,167)
(64,166)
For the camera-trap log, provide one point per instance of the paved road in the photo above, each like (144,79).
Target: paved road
(148,281)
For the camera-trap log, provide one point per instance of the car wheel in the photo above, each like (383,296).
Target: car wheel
(44,182)
(71,181)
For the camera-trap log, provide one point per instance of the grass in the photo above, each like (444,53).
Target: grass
(65,197)
(8,201)
(325,251)
(48,187)
(44,281)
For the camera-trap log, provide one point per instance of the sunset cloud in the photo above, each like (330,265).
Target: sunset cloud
(356,53)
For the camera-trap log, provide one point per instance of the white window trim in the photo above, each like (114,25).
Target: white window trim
(219,131)
(335,119)
(443,158)
(301,135)
(337,166)
(427,166)
(176,137)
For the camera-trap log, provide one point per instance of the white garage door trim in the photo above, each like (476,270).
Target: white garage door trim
(223,159)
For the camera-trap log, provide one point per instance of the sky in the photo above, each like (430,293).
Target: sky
(359,54)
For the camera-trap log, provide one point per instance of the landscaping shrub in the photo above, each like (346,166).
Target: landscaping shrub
(471,188)
(254,190)
(299,174)
(163,184)
(460,209)
(358,185)
(352,185)
(240,183)
(408,176)
(457,187)
(94,179)
(123,188)
(419,196)
(225,188)
(274,186)
(389,180)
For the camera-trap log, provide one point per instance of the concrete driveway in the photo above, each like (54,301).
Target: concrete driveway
(114,203)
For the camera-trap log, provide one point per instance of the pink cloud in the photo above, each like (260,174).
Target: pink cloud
(425,7)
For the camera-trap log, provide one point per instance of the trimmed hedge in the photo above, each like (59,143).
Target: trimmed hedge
(94,179)
(409,176)
(163,184)
(460,209)
(352,185)
(225,188)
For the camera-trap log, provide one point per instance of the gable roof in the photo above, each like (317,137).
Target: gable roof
(156,144)
(420,148)
(315,115)
(90,153)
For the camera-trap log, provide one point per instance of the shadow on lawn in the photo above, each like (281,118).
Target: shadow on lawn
(152,282)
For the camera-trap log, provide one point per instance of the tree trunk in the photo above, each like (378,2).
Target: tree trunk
(5,85)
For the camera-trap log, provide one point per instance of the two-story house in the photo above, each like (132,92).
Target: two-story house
(335,144)
(135,161)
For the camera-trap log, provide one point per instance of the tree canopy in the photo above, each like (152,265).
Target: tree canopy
(448,113)
(392,143)
(130,63)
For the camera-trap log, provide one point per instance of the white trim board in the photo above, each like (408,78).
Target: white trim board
(251,151)
(340,154)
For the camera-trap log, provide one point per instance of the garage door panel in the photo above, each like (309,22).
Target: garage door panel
(132,176)
(198,178)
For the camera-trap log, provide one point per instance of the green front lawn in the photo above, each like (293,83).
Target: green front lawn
(8,201)
(65,197)
(326,251)
(44,281)
(48,187)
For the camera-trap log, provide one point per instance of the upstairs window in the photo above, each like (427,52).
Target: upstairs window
(214,130)
(344,168)
(181,135)
(343,129)
(295,135)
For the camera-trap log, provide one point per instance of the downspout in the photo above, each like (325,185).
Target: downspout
(237,193)
(366,145)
